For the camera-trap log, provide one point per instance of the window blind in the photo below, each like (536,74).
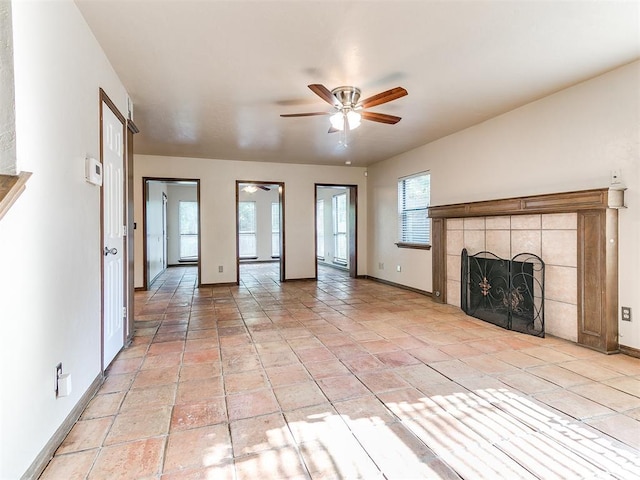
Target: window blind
(414,194)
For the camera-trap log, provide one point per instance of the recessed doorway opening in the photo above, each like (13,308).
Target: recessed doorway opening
(260,228)
(336,227)
(171,229)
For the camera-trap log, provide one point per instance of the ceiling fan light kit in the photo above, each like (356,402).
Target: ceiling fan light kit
(351,118)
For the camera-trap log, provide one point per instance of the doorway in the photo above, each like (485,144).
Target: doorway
(336,220)
(171,226)
(260,225)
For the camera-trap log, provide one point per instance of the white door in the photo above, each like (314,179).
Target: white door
(113,230)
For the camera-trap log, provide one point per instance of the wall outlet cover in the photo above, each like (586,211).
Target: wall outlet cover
(626,313)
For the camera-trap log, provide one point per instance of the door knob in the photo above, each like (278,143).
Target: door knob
(112,251)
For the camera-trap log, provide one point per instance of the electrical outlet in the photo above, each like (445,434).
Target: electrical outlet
(220,269)
(398,268)
(615,177)
(626,314)
(380,266)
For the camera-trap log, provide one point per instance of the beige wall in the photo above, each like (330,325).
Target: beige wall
(50,239)
(568,141)
(218,217)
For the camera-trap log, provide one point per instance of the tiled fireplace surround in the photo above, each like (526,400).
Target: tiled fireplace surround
(553,237)
(575,234)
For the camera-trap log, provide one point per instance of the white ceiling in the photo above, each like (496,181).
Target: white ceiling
(210,78)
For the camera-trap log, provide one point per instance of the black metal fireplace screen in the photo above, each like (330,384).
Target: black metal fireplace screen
(507,293)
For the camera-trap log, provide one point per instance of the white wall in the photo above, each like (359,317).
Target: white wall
(176,194)
(568,141)
(263,200)
(155,229)
(50,239)
(218,214)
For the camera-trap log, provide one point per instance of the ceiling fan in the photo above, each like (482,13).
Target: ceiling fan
(253,187)
(349,108)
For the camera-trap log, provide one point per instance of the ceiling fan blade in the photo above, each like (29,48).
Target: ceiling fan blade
(333,130)
(381,117)
(266,189)
(311,114)
(383,97)
(325,94)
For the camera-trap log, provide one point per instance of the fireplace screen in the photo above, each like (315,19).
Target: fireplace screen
(507,293)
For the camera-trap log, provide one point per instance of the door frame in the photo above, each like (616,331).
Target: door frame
(126,281)
(132,129)
(282,225)
(165,236)
(353,225)
(145,181)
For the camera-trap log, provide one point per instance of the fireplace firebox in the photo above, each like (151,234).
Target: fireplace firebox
(506,292)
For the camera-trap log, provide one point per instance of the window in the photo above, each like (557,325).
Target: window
(320,229)
(414,194)
(188,226)
(247,229)
(275,230)
(340,228)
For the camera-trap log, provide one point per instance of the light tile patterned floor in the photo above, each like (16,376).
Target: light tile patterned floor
(346,379)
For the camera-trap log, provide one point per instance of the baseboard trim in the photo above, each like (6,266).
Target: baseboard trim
(139,289)
(632,352)
(310,279)
(398,285)
(227,284)
(335,266)
(254,261)
(46,454)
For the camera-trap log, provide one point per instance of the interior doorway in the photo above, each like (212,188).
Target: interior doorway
(336,220)
(260,229)
(171,225)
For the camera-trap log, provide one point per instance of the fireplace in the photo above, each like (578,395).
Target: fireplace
(506,292)
(575,232)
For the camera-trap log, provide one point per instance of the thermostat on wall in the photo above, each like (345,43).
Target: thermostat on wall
(93,171)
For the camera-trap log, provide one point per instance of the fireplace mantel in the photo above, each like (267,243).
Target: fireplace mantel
(601,198)
(597,237)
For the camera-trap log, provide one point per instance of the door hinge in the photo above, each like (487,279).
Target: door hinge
(124,312)
(124,230)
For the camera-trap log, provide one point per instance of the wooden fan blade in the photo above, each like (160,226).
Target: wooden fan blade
(333,130)
(262,187)
(381,117)
(325,94)
(311,114)
(383,97)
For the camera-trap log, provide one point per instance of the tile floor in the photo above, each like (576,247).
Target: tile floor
(346,379)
